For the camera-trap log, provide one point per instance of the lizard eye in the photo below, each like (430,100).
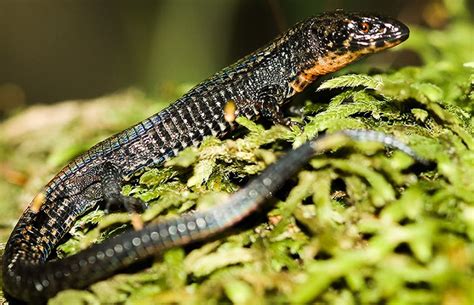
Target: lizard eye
(365,27)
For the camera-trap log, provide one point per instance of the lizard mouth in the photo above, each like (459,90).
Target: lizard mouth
(395,36)
(389,34)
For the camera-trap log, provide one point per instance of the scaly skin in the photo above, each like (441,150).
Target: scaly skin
(257,84)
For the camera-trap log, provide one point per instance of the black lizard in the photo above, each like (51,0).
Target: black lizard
(258,85)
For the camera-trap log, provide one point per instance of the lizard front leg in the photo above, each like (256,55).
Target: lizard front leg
(268,105)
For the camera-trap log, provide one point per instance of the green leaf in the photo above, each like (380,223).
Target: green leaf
(352,80)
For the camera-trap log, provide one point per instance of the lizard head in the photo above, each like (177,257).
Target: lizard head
(336,39)
(341,32)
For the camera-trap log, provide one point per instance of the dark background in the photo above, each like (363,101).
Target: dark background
(53,50)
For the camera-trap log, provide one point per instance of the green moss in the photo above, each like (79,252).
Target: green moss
(359,225)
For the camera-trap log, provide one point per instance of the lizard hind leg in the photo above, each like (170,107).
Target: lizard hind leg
(111,182)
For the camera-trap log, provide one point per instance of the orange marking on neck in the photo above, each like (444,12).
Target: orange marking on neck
(332,62)
(324,65)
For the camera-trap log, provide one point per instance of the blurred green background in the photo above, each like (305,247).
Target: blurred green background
(54,50)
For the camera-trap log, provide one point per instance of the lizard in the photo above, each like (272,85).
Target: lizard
(258,84)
